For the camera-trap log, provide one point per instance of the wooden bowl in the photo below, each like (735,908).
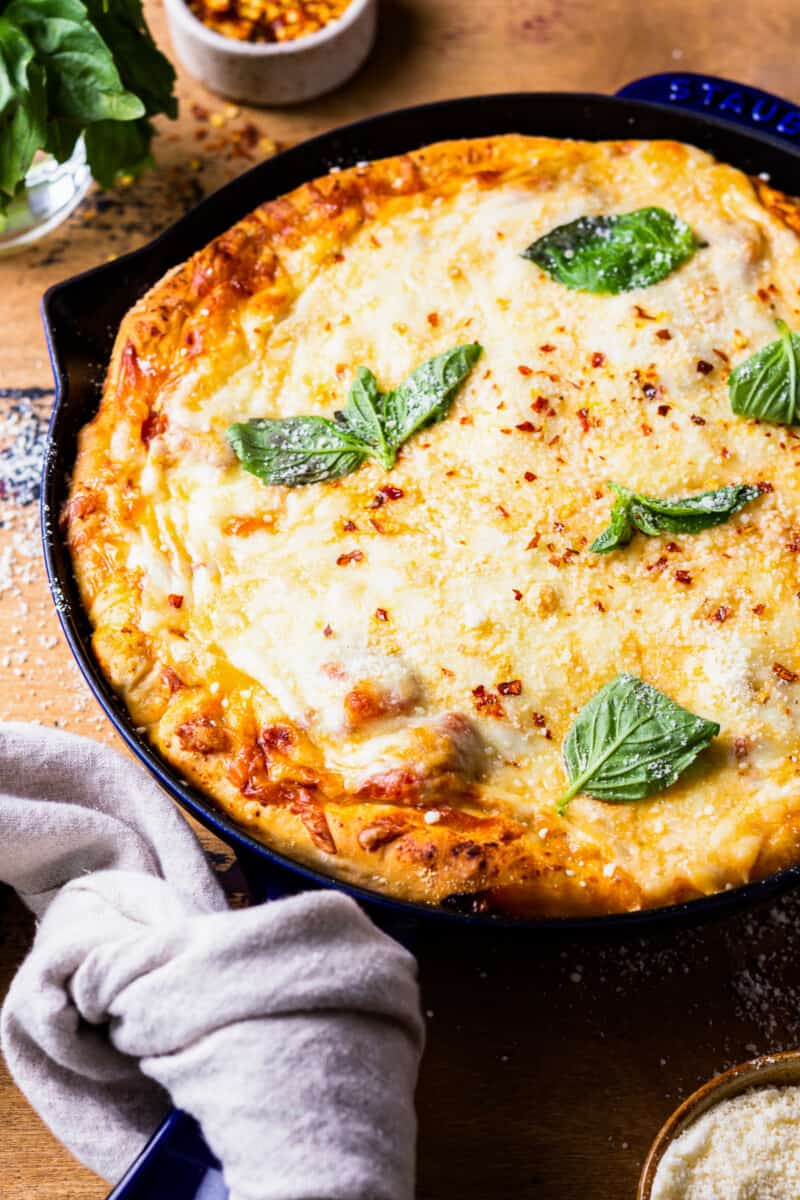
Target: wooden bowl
(777,1070)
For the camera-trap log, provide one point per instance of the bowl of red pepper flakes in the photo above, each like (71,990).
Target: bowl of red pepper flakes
(272,52)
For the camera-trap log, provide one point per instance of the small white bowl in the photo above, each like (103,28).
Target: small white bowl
(274,73)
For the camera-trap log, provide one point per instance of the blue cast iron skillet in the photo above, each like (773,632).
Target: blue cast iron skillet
(753,130)
(749,129)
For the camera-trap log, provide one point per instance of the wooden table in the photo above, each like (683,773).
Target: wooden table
(550,1064)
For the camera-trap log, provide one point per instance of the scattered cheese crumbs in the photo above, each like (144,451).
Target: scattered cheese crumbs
(746,1148)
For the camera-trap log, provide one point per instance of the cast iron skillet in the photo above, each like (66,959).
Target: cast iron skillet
(749,129)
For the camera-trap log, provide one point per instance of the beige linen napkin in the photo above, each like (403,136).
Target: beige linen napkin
(291,1031)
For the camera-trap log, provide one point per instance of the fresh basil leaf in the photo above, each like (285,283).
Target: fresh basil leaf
(23,109)
(296,450)
(652,516)
(115,148)
(363,416)
(631,741)
(83,83)
(426,395)
(615,253)
(143,69)
(767,384)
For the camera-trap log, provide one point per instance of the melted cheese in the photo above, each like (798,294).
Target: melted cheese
(482,568)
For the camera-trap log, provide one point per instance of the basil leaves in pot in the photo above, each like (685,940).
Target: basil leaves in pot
(69,67)
(299,450)
(631,741)
(767,384)
(652,516)
(615,253)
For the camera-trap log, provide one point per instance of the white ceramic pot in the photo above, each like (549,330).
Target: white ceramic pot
(274,73)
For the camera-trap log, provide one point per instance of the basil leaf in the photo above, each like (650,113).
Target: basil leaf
(83,83)
(617,253)
(23,109)
(426,395)
(296,450)
(767,384)
(652,516)
(116,148)
(143,69)
(363,416)
(631,741)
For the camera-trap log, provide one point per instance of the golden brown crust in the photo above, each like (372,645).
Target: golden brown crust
(263,768)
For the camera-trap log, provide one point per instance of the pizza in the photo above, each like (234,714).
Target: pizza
(440,522)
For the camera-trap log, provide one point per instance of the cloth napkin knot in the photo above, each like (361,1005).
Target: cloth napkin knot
(291,1031)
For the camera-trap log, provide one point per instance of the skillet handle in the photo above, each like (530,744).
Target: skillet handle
(176,1164)
(722,98)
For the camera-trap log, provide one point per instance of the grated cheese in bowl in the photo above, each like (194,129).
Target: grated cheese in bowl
(744,1148)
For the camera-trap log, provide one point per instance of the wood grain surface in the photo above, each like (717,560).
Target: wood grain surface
(550,1063)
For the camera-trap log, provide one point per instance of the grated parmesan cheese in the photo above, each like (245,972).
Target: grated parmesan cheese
(745,1148)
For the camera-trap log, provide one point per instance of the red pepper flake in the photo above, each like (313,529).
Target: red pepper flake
(386,493)
(647,430)
(349,526)
(528,427)
(487,702)
(683,577)
(175,600)
(433,319)
(465,420)
(673,547)
(663,410)
(664,335)
(517,593)
(327,631)
(741,748)
(725,452)
(783,673)
(353,556)
(794,542)
(529,477)
(758,609)
(642,315)
(523,370)
(583,417)
(540,722)
(512,688)
(721,614)
(764,487)
(697,420)
(547,348)
(598,359)
(703,367)
(376,525)
(381,614)
(503,512)
(540,404)
(658,565)
(199,112)
(534,542)
(599,606)
(172,680)
(650,391)
(721,355)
